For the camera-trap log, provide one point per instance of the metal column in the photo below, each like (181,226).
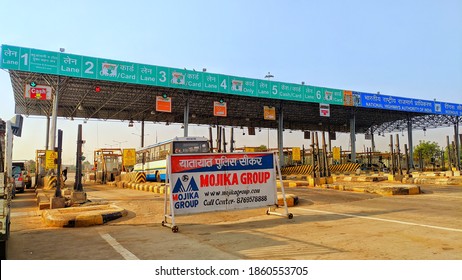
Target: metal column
(58,172)
(372,142)
(353,137)
(280,137)
(142,133)
(456,141)
(54,119)
(186,118)
(78,162)
(410,144)
(47,141)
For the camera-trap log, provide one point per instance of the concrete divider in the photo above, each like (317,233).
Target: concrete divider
(82,216)
(291,200)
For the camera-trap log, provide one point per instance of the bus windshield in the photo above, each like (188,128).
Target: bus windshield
(190,147)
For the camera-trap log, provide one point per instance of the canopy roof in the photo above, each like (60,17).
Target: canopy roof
(127,91)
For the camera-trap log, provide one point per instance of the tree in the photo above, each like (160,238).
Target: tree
(86,165)
(31,165)
(262,148)
(430,151)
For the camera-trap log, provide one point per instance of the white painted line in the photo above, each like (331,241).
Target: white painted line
(450,196)
(119,248)
(24,214)
(382,220)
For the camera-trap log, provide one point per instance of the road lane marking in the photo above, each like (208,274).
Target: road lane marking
(380,219)
(25,214)
(119,248)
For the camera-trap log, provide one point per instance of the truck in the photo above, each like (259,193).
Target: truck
(8,129)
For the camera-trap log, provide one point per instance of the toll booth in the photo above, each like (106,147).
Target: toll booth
(40,167)
(107,164)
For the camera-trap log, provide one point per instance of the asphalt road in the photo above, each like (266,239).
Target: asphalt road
(327,225)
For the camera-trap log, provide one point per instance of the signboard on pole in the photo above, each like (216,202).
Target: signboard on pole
(38,92)
(163,104)
(215,182)
(269,113)
(129,157)
(219,109)
(336,153)
(50,159)
(324,110)
(296,154)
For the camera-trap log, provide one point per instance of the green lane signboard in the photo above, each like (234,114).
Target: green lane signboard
(65,64)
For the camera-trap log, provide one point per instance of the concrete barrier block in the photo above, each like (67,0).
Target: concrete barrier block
(78,197)
(414,190)
(311,182)
(156,189)
(302,183)
(88,220)
(292,184)
(329,180)
(57,202)
(291,200)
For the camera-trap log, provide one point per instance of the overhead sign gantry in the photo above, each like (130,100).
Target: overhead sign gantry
(128,91)
(71,65)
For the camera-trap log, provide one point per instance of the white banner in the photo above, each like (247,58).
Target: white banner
(215,182)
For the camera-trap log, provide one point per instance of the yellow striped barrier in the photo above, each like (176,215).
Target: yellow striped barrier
(346,167)
(51,182)
(140,177)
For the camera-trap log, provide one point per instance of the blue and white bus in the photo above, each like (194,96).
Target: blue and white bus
(153,158)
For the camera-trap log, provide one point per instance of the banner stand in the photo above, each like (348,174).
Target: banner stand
(169,211)
(271,211)
(168,203)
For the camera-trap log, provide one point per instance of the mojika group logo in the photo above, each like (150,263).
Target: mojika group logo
(185,197)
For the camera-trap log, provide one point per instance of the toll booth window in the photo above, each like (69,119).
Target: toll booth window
(112,163)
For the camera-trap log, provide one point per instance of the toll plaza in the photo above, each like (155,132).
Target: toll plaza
(59,84)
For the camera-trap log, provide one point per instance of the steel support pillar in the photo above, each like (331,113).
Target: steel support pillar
(54,119)
(47,141)
(58,172)
(410,144)
(353,137)
(142,133)
(372,142)
(280,137)
(186,118)
(457,143)
(78,162)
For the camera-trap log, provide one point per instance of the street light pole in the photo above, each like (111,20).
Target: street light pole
(119,142)
(142,137)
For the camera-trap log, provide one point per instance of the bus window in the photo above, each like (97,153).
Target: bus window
(190,147)
(205,148)
(156,153)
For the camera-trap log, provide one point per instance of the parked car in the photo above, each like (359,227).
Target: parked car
(19,183)
(24,176)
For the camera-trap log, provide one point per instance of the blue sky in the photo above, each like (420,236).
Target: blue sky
(402,48)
